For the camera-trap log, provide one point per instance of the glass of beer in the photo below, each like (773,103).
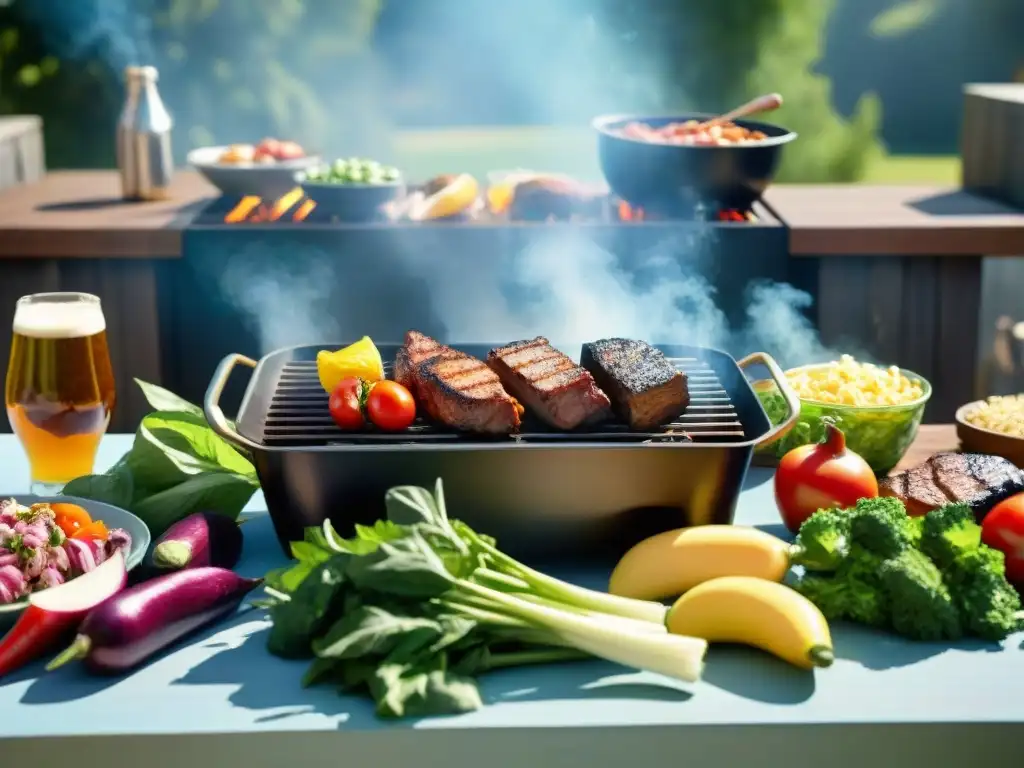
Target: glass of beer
(60,386)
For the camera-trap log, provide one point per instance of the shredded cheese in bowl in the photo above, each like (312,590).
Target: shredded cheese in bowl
(1000,414)
(848,382)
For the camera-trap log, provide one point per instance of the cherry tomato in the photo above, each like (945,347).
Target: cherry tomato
(70,517)
(820,476)
(94,530)
(390,406)
(1003,529)
(346,403)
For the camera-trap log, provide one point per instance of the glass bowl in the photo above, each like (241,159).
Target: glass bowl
(879,433)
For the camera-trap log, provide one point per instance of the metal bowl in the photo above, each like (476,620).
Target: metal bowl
(266,180)
(355,203)
(653,175)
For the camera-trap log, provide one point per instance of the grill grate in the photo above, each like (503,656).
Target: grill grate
(298,416)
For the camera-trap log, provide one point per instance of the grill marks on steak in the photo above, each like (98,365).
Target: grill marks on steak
(646,390)
(462,392)
(454,388)
(417,349)
(975,479)
(549,383)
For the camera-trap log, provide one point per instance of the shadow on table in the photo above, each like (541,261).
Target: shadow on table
(273,685)
(960,203)
(752,674)
(879,650)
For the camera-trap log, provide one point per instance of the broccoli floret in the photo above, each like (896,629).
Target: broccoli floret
(989,606)
(823,541)
(882,525)
(860,571)
(948,533)
(843,598)
(920,605)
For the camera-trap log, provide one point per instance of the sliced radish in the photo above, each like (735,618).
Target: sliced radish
(82,594)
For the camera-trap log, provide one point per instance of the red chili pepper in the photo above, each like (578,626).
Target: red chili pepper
(34,634)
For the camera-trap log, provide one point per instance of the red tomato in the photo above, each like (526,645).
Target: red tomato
(346,403)
(1003,529)
(267,148)
(390,406)
(819,476)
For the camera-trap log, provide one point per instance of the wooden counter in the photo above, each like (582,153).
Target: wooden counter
(78,214)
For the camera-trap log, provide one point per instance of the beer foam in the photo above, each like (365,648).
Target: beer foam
(59,320)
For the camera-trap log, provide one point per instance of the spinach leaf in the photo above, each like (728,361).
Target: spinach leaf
(365,542)
(116,486)
(411,505)
(425,688)
(161,399)
(171,446)
(405,567)
(372,630)
(305,552)
(221,492)
(288,579)
(299,620)
(381,531)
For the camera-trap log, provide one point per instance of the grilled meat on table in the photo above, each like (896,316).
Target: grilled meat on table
(978,480)
(460,391)
(417,349)
(549,383)
(646,390)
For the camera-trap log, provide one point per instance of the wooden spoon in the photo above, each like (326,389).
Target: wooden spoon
(765,103)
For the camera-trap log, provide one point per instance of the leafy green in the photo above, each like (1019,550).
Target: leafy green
(177,465)
(411,609)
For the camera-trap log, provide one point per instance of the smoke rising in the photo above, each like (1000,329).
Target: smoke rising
(531,62)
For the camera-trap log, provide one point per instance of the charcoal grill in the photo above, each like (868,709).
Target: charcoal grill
(542,493)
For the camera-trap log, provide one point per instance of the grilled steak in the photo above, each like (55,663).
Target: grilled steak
(460,391)
(975,479)
(549,383)
(645,390)
(417,349)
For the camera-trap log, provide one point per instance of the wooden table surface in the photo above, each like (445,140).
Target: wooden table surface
(73,214)
(80,214)
(931,439)
(870,220)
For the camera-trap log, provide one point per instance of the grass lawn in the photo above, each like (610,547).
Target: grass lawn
(423,154)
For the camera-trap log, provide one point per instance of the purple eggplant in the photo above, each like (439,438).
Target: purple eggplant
(133,625)
(200,540)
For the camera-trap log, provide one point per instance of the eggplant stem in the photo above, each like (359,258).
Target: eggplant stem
(78,649)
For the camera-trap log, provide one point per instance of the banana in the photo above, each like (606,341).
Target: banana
(673,562)
(763,614)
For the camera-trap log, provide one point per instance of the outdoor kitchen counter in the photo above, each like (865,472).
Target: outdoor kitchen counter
(895,270)
(221,700)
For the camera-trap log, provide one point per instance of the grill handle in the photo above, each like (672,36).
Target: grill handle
(779,377)
(211,403)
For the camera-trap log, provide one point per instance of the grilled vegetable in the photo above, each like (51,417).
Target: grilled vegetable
(129,628)
(198,541)
(755,612)
(670,563)
(55,611)
(819,476)
(390,406)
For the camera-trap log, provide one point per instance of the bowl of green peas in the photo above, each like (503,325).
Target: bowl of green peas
(352,189)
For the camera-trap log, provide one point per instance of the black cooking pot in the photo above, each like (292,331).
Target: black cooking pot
(658,176)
